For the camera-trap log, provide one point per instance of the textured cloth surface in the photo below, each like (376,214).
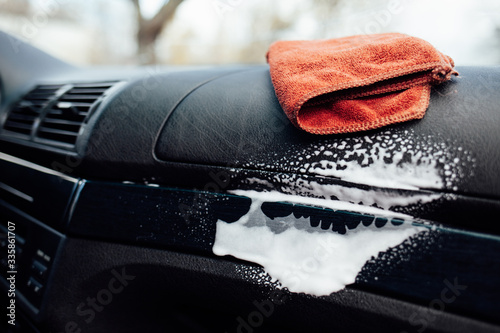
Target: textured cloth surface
(355,83)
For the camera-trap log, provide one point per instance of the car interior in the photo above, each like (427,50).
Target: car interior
(114,182)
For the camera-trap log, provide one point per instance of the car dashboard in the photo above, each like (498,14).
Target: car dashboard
(113,183)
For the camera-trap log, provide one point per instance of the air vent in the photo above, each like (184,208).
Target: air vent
(64,119)
(22,117)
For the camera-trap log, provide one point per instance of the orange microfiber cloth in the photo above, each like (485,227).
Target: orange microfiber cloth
(356,83)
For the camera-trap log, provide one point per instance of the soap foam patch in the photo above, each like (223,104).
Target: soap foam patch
(302,258)
(390,170)
(392,159)
(275,196)
(371,174)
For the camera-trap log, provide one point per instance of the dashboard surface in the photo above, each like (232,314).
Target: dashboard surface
(114,181)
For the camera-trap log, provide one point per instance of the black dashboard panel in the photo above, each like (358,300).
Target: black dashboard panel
(121,142)
(36,250)
(174,291)
(151,216)
(33,188)
(237,120)
(116,232)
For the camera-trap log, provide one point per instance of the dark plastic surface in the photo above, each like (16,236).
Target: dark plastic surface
(151,216)
(36,249)
(168,291)
(241,122)
(40,192)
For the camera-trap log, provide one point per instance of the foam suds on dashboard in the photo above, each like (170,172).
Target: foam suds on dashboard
(307,259)
(356,83)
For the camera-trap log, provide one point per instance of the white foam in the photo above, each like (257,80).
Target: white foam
(414,173)
(274,196)
(382,199)
(392,159)
(320,262)
(302,258)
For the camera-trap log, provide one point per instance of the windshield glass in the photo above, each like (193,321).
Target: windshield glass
(132,32)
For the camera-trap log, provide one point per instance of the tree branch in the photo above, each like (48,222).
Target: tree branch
(137,6)
(150,29)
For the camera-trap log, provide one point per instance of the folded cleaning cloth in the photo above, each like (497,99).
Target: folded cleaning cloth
(356,83)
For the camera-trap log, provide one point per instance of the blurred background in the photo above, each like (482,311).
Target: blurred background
(189,32)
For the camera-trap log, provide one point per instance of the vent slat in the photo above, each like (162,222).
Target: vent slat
(54,87)
(44,129)
(23,118)
(67,127)
(60,128)
(85,105)
(24,112)
(67,114)
(58,135)
(87,91)
(36,103)
(40,95)
(79,97)
(61,121)
(12,125)
(94,85)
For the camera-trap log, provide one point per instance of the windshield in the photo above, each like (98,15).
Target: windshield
(189,32)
